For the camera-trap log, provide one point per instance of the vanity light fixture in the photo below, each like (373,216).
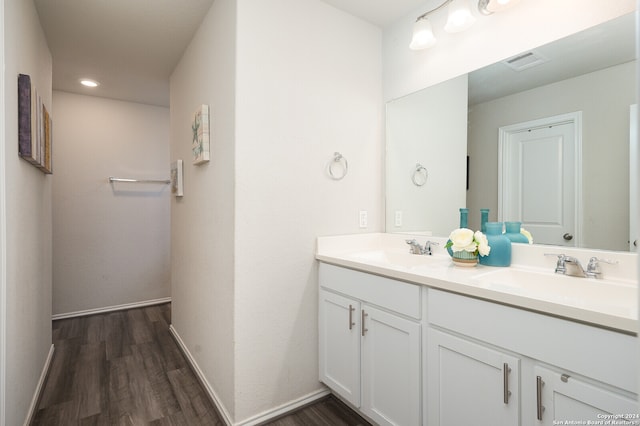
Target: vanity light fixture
(487,7)
(422,35)
(459,19)
(89,83)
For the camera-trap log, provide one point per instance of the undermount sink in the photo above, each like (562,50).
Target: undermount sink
(401,258)
(603,293)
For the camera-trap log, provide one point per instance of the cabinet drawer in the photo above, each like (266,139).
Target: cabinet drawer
(594,352)
(393,295)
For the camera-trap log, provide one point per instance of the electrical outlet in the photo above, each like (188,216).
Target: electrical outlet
(363,219)
(398,218)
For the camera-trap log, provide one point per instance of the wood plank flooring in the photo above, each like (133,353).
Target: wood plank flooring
(124,368)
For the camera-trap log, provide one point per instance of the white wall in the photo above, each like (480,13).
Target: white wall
(490,39)
(27,308)
(427,127)
(290,93)
(110,241)
(202,223)
(604,98)
(308,84)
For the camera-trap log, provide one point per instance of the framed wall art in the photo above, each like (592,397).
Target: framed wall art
(200,135)
(35,128)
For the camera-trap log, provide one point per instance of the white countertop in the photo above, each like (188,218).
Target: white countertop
(530,282)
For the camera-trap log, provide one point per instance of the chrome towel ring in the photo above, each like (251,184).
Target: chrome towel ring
(419,175)
(341,163)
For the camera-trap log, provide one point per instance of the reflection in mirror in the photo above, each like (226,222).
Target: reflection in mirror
(592,72)
(424,128)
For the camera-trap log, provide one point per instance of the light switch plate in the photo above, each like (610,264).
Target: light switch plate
(363,219)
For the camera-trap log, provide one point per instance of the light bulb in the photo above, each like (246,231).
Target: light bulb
(89,83)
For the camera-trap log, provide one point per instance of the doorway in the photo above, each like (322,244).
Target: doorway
(540,175)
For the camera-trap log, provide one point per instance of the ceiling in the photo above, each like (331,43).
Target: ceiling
(382,12)
(605,45)
(132,47)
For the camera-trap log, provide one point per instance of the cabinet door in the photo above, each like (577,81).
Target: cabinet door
(561,399)
(470,384)
(339,329)
(391,373)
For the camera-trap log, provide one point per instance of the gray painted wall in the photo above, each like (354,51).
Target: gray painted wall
(110,241)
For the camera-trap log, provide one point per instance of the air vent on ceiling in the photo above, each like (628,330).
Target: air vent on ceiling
(525,60)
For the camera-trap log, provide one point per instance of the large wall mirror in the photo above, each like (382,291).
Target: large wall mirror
(443,141)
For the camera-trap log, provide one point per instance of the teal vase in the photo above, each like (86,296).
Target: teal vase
(464,218)
(464,223)
(512,232)
(500,253)
(484,218)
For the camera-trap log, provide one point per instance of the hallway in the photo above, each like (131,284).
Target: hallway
(124,368)
(121,368)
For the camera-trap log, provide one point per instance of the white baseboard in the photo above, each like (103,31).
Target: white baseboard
(106,309)
(226,417)
(36,395)
(283,409)
(255,420)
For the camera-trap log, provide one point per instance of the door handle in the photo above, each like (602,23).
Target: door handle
(567,237)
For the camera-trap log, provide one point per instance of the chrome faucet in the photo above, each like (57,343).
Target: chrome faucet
(573,267)
(568,265)
(416,248)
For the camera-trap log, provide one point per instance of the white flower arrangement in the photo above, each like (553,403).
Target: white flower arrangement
(464,239)
(527,234)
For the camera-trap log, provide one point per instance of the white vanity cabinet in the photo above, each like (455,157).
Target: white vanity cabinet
(470,384)
(557,370)
(370,343)
(560,397)
(339,325)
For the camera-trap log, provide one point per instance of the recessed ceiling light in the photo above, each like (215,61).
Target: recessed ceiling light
(89,83)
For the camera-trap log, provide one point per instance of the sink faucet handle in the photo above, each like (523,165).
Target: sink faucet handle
(416,248)
(593,267)
(596,260)
(428,245)
(560,266)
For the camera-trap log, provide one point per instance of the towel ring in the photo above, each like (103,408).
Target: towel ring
(420,175)
(340,160)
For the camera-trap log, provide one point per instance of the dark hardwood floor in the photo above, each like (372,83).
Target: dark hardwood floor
(124,368)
